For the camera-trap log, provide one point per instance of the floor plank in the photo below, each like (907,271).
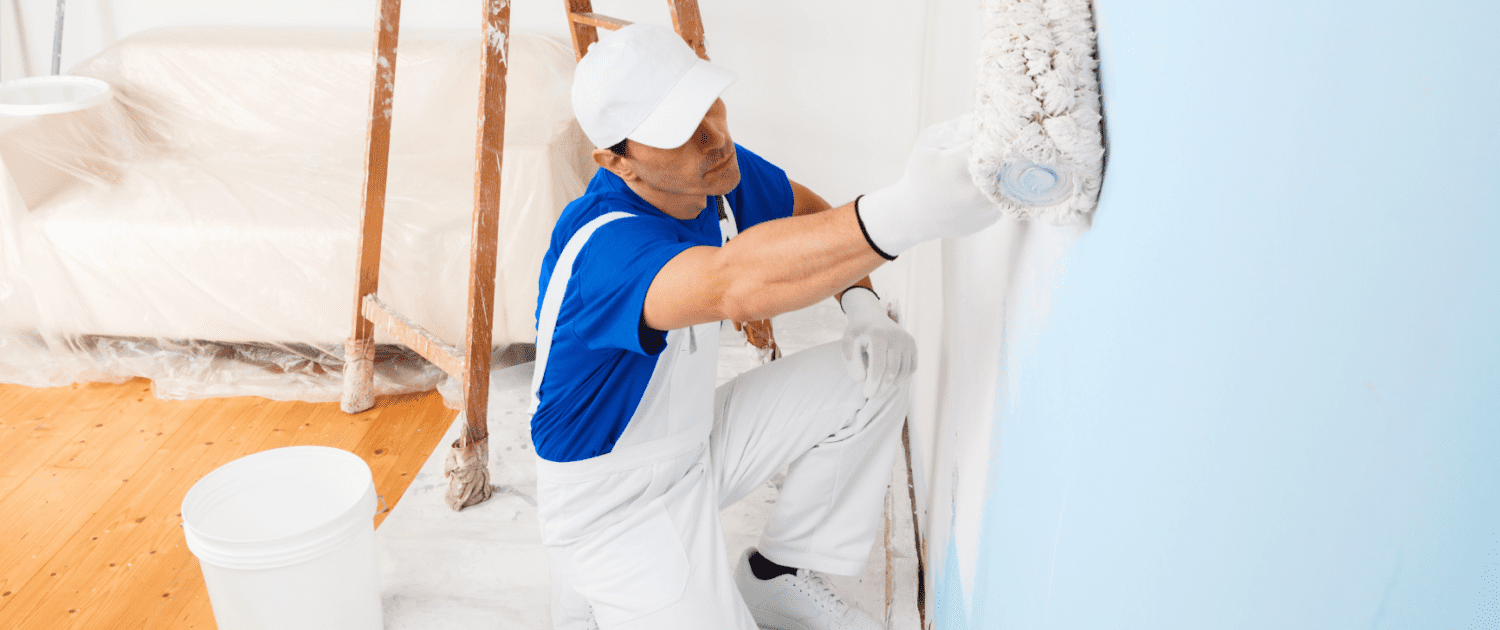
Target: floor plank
(108,542)
(92,479)
(43,425)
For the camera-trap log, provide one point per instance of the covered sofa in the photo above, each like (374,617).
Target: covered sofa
(200,229)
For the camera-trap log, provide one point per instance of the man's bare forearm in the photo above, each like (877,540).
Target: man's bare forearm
(769,269)
(809,202)
(787,264)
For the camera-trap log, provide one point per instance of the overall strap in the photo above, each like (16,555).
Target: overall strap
(728,228)
(557,285)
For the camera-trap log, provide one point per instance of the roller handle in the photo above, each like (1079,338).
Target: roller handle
(57,41)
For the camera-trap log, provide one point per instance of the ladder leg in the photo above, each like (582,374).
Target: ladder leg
(689,24)
(584,35)
(468,482)
(488,154)
(762,336)
(359,351)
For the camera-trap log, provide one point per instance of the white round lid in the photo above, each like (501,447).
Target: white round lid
(35,96)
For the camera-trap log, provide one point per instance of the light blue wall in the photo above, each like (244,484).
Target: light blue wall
(1269,392)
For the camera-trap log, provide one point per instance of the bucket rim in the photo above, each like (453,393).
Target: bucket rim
(333,524)
(273,556)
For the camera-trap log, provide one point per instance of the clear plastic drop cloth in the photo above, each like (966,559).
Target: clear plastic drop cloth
(200,229)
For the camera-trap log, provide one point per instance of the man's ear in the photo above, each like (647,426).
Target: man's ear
(614,163)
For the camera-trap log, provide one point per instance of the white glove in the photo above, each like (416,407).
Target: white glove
(935,197)
(876,349)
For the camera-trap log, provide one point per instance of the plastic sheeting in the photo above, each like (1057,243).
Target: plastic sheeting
(200,230)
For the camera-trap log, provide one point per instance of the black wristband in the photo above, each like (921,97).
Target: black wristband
(866,232)
(857,286)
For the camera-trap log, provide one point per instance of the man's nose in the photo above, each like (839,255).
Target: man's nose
(712,135)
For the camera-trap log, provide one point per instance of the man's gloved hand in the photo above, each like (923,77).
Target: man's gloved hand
(876,349)
(934,198)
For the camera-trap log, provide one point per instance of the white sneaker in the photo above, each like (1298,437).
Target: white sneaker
(803,601)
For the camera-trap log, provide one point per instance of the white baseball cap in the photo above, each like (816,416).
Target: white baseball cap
(646,84)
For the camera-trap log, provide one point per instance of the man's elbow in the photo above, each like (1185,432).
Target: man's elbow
(745,301)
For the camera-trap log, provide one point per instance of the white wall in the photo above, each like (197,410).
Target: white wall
(831,91)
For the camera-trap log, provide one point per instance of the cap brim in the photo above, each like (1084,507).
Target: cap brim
(673,121)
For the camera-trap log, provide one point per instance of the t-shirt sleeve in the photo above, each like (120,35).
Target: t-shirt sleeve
(611,277)
(764,192)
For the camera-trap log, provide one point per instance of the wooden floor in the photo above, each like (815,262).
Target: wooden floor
(92,479)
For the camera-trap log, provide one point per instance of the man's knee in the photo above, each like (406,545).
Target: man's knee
(839,379)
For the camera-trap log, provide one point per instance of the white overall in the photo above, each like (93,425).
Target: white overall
(634,534)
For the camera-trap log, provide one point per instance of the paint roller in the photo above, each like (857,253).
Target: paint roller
(1038,141)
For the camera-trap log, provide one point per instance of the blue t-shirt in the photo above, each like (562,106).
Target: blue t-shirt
(603,354)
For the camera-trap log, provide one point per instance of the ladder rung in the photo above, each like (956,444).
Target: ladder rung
(446,357)
(601,21)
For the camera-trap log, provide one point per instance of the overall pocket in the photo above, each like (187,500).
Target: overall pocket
(633,568)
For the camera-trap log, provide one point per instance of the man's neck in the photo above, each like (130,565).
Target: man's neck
(675,205)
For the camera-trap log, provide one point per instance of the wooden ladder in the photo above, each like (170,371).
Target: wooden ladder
(584,26)
(471,362)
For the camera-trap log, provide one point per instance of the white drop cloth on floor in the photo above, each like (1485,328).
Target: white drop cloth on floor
(485,567)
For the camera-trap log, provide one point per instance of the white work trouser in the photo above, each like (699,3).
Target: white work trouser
(638,538)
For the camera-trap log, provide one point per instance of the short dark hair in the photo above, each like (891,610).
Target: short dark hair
(620,149)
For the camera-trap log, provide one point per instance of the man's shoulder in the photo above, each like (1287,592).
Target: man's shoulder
(592,204)
(640,226)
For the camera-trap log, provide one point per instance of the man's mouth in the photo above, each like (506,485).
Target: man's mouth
(722,163)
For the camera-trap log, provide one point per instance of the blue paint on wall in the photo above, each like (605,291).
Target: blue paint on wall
(951,612)
(1269,393)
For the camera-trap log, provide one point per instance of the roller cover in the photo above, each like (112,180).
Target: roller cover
(1038,148)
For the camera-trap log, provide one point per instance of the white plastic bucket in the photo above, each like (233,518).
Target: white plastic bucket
(286,540)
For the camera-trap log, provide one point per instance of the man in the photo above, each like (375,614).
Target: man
(637,451)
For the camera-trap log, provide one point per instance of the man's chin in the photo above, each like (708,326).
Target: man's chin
(722,183)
